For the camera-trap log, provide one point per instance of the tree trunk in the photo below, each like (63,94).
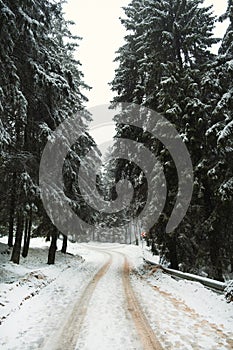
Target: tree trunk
(231,265)
(214,246)
(173,253)
(27,236)
(47,239)
(15,257)
(52,249)
(12,212)
(11,229)
(153,247)
(64,244)
(126,235)
(214,238)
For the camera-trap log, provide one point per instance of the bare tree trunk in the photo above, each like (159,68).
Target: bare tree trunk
(15,257)
(126,234)
(214,237)
(136,232)
(52,249)
(27,236)
(231,264)
(215,257)
(153,246)
(64,244)
(12,212)
(172,246)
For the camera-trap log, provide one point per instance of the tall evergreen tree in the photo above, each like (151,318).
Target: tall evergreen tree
(218,87)
(40,86)
(164,65)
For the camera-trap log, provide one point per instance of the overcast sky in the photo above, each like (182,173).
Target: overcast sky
(99,25)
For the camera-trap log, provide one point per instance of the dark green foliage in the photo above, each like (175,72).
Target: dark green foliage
(166,64)
(40,86)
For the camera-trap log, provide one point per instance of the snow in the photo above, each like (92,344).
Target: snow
(36,300)
(21,282)
(4,135)
(206,310)
(107,322)
(226,132)
(28,19)
(205,302)
(36,307)
(210,305)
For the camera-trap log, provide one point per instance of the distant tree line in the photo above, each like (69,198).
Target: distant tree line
(167,65)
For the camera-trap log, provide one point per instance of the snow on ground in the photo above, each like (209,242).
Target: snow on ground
(36,299)
(183,314)
(107,324)
(36,307)
(205,302)
(180,306)
(21,282)
(176,325)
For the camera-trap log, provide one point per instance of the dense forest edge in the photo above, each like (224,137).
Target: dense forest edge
(166,64)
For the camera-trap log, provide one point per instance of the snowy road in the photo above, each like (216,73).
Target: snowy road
(118,311)
(107,315)
(103,303)
(114,317)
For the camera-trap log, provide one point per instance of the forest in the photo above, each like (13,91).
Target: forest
(41,85)
(166,64)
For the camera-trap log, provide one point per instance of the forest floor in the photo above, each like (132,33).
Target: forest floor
(103,297)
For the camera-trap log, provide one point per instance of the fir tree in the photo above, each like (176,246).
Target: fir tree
(169,54)
(40,86)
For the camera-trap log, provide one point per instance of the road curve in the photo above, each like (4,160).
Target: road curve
(69,336)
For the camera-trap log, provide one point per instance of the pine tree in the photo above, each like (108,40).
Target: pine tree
(218,165)
(40,86)
(170,44)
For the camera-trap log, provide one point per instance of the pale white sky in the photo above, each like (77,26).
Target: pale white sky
(99,25)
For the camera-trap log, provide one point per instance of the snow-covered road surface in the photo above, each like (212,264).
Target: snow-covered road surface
(103,304)
(114,317)
(177,325)
(108,324)
(67,337)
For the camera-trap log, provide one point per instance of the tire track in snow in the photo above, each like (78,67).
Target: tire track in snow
(145,332)
(199,330)
(69,335)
